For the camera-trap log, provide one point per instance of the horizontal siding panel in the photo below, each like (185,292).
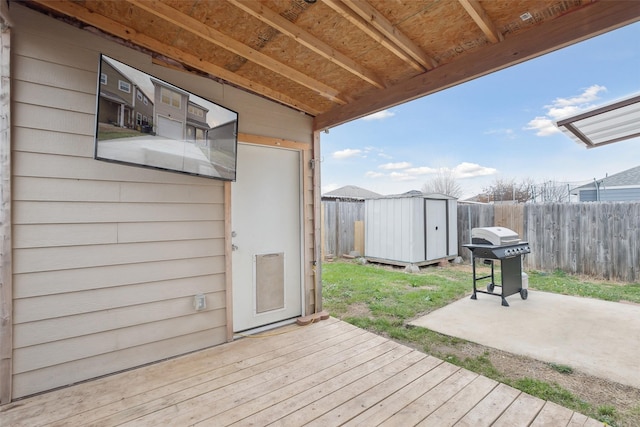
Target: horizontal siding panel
(72,190)
(83,279)
(53,97)
(68,190)
(60,305)
(49,330)
(51,119)
(62,258)
(48,235)
(172,193)
(43,38)
(80,212)
(59,352)
(40,141)
(161,231)
(72,372)
(69,78)
(44,165)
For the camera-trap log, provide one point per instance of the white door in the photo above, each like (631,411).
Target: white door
(436,228)
(267,239)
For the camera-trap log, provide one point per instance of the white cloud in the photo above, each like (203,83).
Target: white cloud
(346,153)
(380,115)
(401,176)
(562,107)
(422,170)
(372,174)
(470,170)
(543,126)
(385,156)
(395,166)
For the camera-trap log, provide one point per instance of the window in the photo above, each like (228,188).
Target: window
(170,97)
(145,120)
(195,111)
(124,86)
(138,119)
(139,95)
(103,78)
(145,101)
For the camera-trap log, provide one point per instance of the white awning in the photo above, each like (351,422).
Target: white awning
(604,125)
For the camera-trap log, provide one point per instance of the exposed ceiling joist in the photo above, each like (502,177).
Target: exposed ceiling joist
(365,24)
(286,27)
(478,14)
(209,34)
(588,21)
(114,28)
(386,28)
(338,60)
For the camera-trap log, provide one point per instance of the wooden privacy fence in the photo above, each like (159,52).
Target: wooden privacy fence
(596,239)
(342,227)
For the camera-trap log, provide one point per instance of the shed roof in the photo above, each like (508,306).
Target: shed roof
(629,177)
(350,192)
(418,194)
(340,60)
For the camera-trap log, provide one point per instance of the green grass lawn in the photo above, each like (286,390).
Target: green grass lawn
(383,300)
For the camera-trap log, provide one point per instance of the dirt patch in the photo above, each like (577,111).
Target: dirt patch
(596,391)
(358,310)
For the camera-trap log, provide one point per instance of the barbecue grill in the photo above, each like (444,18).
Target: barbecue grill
(499,243)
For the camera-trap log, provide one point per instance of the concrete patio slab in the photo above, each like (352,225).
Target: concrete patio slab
(596,337)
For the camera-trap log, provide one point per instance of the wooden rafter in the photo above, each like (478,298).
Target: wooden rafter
(482,20)
(364,25)
(286,27)
(388,30)
(111,27)
(196,27)
(588,21)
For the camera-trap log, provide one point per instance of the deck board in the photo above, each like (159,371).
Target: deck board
(329,373)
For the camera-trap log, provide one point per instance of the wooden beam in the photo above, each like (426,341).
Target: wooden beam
(126,33)
(228,260)
(591,20)
(288,28)
(339,7)
(482,20)
(6,247)
(372,16)
(203,31)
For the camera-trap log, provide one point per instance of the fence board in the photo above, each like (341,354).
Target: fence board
(339,223)
(595,239)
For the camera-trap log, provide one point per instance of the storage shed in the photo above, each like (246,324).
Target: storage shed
(411,228)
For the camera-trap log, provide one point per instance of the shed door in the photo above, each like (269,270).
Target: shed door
(267,238)
(435,217)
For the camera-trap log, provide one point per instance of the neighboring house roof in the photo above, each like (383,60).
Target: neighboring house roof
(629,177)
(351,192)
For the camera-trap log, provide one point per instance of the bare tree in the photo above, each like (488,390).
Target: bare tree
(503,190)
(444,183)
(551,191)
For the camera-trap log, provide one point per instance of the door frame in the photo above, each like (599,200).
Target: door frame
(310,188)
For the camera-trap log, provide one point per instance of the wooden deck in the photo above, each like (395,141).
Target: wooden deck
(326,374)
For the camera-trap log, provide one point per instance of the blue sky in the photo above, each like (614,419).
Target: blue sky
(495,127)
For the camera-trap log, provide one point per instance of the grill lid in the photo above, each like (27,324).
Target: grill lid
(497,236)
